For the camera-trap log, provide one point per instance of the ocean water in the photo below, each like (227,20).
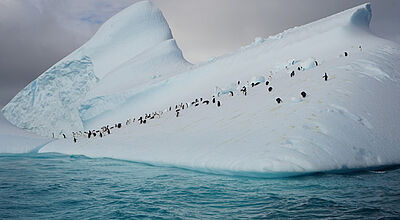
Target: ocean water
(53,186)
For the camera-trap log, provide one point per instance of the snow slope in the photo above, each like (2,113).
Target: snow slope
(347,122)
(111,61)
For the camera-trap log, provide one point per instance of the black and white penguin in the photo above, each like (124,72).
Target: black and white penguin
(270,89)
(325,77)
(292,74)
(346,54)
(266,83)
(218,104)
(303,94)
(278,100)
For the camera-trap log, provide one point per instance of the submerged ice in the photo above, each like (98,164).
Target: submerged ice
(346,122)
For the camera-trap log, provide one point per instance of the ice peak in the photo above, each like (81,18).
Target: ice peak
(362,16)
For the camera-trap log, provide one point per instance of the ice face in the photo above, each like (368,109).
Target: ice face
(49,104)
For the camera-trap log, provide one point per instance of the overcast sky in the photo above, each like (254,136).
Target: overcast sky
(35,34)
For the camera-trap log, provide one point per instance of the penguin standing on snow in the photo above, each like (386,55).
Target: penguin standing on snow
(266,83)
(278,100)
(292,74)
(325,77)
(244,90)
(270,89)
(316,63)
(213,100)
(346,54)
(218,104)
(64,136)
(230,93)
(303,94)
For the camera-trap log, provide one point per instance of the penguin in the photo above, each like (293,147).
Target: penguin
(244,90)
(213,100)
(346,54)
(325,77)
(64,136)
(74,140)
(359,47)
(257,83)
(108,131)
(252,84)
(206,102)
(89,134)
(270,89)
(101,134)
(144,121)
(177,114)
(316,63)
(230,93)
(94,133)
(292,74)
(197,104)
(303,94)
(201,99)
(298,68)
(218,104)
(266,83)
(278,100)
(53,135)
(239,81)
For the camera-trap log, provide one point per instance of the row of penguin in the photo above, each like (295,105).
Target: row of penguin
(178,108)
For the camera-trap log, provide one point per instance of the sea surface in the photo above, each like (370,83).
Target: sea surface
(54,186)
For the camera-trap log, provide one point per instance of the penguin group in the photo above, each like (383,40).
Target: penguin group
(178,108)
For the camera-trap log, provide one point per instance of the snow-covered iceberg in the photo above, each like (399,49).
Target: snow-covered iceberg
(349,121)
(126,52)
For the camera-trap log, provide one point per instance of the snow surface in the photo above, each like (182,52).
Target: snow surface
(347,122)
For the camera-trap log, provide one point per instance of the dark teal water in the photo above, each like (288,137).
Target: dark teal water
(51,186)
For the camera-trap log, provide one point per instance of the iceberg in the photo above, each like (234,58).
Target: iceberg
(347,122)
